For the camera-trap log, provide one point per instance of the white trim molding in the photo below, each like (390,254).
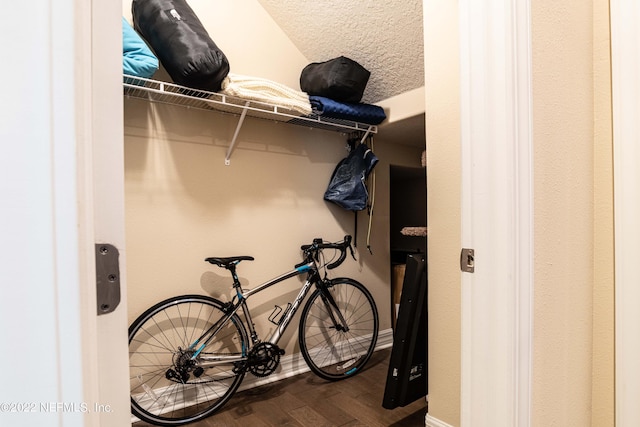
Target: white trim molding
(625,59)
(497,212)
(292,365)
(429,421)
(42,126)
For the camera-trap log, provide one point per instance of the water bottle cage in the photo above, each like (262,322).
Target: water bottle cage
(277,314)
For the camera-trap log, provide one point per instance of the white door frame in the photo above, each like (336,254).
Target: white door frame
(48,132)
(497,212)
(43,255)
(625,58)
(107,176)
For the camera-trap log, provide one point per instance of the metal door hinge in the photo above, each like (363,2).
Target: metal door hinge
(107,278)
(467,260)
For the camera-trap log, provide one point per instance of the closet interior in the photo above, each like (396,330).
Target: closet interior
(209,174)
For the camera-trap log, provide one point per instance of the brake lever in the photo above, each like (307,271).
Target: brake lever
(353,255)
(316,251)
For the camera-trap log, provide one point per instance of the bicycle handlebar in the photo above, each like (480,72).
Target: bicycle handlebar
(318,245)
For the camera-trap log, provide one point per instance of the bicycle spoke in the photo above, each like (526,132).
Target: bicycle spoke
(166,386)
(337,350)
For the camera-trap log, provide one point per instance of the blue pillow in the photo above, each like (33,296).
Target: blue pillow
(137,58)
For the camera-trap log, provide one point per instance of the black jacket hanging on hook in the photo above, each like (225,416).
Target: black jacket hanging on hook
(347,186)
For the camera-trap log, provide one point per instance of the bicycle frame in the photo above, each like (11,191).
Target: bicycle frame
(242,296)
(284,321)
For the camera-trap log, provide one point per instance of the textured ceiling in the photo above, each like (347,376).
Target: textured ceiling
(385,37)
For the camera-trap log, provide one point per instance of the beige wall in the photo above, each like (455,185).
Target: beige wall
(573,325)
(603,386)
(573,309)
(443,206)
(183,204)
(563,217)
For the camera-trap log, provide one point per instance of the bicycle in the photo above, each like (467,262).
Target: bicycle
(189,354)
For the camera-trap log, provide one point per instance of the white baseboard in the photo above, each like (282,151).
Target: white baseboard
(294,364)
(430,421)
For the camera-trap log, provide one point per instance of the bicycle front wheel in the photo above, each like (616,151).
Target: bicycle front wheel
(338,329)
(171,387)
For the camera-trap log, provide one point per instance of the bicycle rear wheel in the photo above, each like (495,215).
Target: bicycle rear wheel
(337,346)
(167,387)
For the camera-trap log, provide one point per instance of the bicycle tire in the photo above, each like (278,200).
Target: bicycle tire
(332,354)
(159,338)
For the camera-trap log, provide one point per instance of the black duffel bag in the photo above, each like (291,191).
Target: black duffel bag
(181,43)
(341,79)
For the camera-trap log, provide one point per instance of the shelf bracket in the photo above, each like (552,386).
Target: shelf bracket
(227,159)
(366,134)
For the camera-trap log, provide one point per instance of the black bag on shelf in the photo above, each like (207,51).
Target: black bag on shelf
(181,42)
(341,79)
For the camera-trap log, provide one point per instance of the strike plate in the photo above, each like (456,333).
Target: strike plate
(107,278)
(467,260)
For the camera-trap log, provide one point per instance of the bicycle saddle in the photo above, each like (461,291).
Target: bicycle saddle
(227,261)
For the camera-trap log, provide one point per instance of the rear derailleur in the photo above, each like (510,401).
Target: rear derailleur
(183,367)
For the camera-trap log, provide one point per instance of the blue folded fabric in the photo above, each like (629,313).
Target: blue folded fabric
(360,112)
(137,58)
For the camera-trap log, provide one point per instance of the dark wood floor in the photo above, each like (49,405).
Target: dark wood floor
(307,400)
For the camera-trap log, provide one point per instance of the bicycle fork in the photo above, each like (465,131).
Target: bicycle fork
(332,307)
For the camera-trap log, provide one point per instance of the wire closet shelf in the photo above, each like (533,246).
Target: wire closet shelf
(170,93)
